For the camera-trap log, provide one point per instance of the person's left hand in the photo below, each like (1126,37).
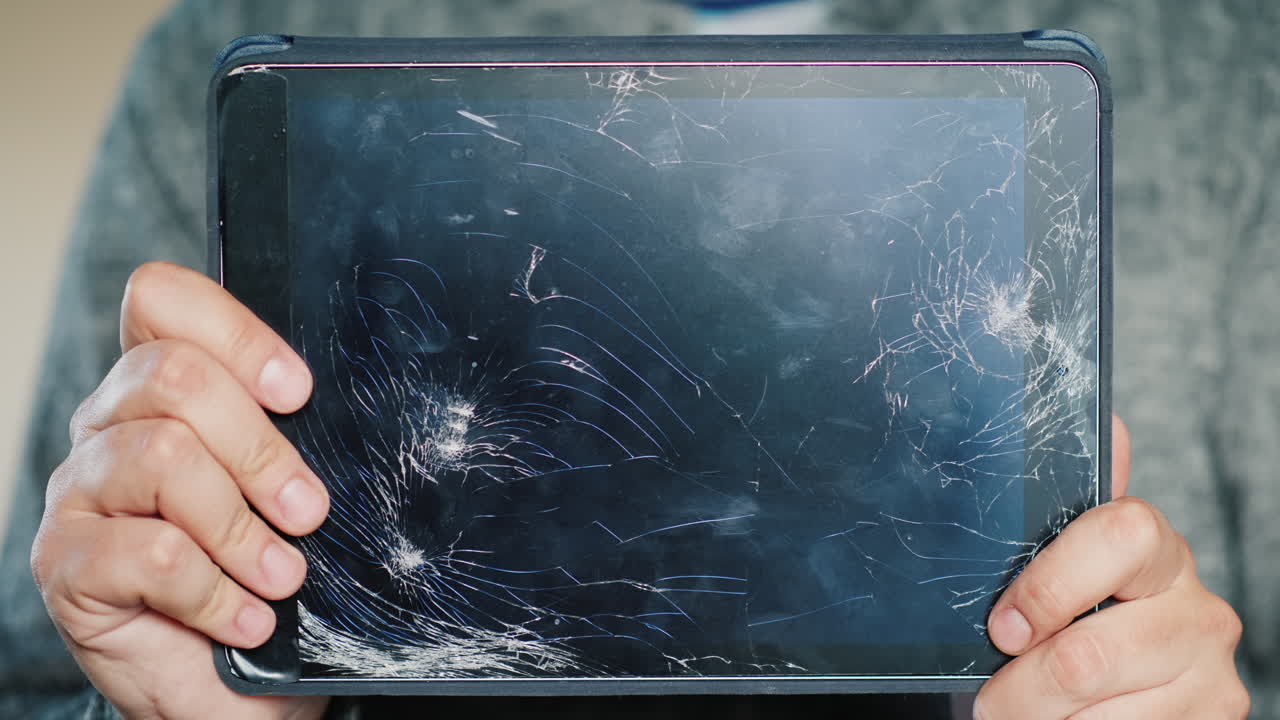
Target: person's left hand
(1166,649)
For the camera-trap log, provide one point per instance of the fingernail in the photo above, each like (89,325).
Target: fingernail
(281,566)
(283,384)
(301,503)
(977,711)
(1010,631)
(255,622)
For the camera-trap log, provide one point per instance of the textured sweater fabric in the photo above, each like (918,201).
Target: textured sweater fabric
(1197,252)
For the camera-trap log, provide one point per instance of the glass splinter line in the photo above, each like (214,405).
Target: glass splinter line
(615,395)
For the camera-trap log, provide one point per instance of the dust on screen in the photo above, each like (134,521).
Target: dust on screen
(730,381)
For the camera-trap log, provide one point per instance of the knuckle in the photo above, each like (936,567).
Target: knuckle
(143,284)
(166,444)
(211,605)
(40,558)
(262,454)
(246,344)
(1188,557)
(61,480)
(1237,702)
(1222,621)
(1134,524)
(240,530)
(1043,601)
(168,552)
(1076,664)
(142,292)
(80,418)
(178,371)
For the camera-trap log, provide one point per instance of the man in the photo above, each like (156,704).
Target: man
(1165,650)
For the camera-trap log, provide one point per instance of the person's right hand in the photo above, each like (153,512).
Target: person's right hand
(148,546)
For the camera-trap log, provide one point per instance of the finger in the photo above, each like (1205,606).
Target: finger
(163,300)
(1121,453)
(1104,655)
(159,467)
(1124,549)
(103,565)
(178,380)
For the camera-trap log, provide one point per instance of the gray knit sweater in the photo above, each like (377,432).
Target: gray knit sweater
(1197,228)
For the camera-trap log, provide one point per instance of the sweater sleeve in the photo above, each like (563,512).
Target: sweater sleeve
(1242,426)
(1244,433)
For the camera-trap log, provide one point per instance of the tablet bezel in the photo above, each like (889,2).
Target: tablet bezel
(248,164)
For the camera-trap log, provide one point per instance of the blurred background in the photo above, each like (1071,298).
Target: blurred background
(58,79)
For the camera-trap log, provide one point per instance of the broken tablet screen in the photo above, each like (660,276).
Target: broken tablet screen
(688,371)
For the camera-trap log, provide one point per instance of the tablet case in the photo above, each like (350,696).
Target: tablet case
(274,668)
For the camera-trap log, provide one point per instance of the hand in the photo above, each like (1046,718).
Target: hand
(148,547)
(1164,650)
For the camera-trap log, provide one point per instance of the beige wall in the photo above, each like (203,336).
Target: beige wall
(51,115)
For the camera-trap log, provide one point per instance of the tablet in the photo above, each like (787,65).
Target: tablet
(670,365)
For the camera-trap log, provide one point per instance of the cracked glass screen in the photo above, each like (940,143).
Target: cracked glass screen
(688,371)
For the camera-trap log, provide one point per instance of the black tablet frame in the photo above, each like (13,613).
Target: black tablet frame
(247,163)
